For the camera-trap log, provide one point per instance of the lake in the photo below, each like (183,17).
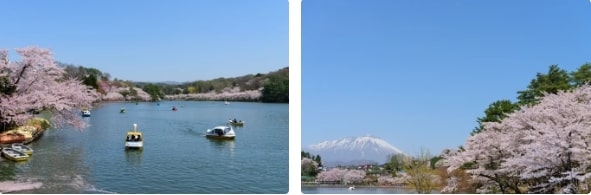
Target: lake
(176,158)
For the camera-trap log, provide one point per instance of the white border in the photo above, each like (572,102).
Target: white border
(295,95)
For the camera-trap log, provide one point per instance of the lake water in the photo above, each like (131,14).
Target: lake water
(357,190)
(176,158)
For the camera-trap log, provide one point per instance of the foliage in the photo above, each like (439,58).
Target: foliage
(395,163)
(434,160)
(555,80)
(495,113)
(316,158)
(36,83)
(309,167)
(89,76)
(245,83)
(243,88)
(458,181)
(154,91)
(39,123)
(546,147)
(420,176)
(276,90)
(91,81)
(581,75)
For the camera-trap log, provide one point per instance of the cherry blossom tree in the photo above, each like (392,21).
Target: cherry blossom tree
(309,167)
(354,176)
(546,147)
(332,175)
(36,83)
(338,175)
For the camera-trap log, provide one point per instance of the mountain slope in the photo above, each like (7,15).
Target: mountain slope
(352,150)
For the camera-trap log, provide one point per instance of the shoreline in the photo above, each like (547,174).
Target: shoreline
(356,186)
(187,100)
(25,134)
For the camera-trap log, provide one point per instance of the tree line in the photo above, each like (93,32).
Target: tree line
(274,85)
(554,80)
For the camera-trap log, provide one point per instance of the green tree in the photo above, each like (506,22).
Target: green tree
(555,80)
(434,161)
(276,90)
(305,154)
(91,81)
(124,93)
(309,167)
(155,92)
(495,113)
(318,160)
(395,163)
(581,75)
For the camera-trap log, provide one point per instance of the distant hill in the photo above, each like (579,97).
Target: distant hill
(265,87)
(268,87)
(353,151)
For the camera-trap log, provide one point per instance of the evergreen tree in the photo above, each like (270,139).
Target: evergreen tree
(555,80)
(581,75)
(276,90)
(495,113)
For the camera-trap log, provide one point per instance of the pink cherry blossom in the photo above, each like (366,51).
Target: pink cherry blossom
(546,146)
(39,84)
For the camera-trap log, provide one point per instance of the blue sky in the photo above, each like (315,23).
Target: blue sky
(419,73)
(179,40)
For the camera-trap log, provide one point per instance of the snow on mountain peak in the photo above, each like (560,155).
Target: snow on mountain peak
(366,147)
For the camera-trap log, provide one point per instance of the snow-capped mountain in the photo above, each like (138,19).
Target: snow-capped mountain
(353,149)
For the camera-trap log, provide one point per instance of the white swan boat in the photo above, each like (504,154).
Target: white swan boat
(221,132)
(86,113)
(134,139)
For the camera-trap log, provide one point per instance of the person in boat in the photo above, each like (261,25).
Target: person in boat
(138,138)
(235,121)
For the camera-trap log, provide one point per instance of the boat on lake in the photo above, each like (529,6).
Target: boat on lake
(9,138)
(174,108)
(134,139)
(226,102)
(15,155)
(236,122)
(86,113)
(122,110)
(22,148)
(221,132)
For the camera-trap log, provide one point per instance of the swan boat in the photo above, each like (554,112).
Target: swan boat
(221,132)
(134,139)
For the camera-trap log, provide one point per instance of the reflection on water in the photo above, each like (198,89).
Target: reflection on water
(176,156)
(223,146)
(61,171)
(7,169)
(134,157)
